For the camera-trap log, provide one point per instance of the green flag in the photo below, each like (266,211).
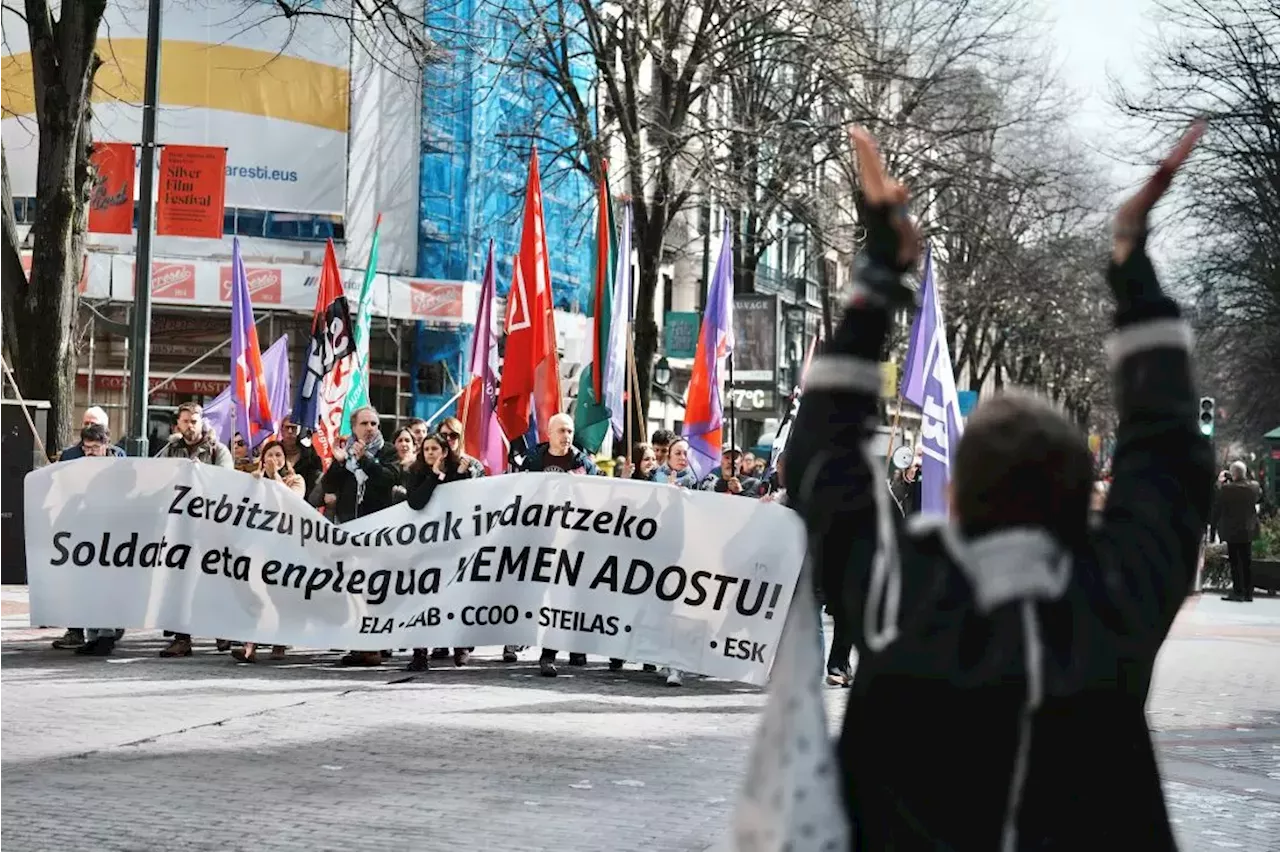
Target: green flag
(358,395)
(591,417)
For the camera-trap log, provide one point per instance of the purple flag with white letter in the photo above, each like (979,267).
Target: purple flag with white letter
(275,363)
(930,383)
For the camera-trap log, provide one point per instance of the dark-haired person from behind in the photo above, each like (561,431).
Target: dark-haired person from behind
(1004,657)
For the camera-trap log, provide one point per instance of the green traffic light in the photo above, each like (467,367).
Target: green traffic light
(1206,429)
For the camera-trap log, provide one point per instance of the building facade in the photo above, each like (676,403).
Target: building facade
(324,132)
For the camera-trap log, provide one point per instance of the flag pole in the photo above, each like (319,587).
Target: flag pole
(631,396)
(893,433)
(733,418)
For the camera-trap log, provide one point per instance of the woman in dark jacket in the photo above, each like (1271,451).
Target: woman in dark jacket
(438,463)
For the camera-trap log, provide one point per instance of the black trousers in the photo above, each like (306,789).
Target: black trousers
(1240,557)
(841,641)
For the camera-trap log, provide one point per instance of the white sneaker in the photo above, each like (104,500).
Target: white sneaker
(675,677)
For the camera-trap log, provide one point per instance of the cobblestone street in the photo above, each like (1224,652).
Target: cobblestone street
(138,753)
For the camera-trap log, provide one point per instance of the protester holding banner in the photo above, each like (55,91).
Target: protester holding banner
(676,471)
(732,477)
(452,431)
(644,461)
(244,460)
(359,483)
(95,442)
(557,455)
(403,458)
(273,466)
(1012,649)
(438,463)
(194,440)
(300,457)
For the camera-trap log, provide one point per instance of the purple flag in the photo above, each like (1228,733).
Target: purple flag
(912,389)
(275,364)
(929,369)
(482,432)
(704,407)
(252,407)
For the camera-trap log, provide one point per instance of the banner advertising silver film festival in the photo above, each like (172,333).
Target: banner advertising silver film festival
(624,569)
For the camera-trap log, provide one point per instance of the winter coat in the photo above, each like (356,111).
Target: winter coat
(378,487)
(716,481)
(536,461)
(425,483)
(1002,680)
(208,451)
(685,478)
(76,451)
(1235,512)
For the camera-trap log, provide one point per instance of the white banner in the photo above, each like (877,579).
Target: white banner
(625,569)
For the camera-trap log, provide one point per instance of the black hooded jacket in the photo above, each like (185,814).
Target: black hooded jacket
(1001,684)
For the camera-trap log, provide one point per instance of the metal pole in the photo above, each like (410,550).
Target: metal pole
(93,333)
(140,338)
(733,417)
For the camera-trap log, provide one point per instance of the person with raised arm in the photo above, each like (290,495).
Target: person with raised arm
(1005,654)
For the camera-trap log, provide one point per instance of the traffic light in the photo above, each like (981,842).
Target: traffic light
(1207,412)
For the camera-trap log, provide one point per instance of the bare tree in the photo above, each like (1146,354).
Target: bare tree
(40,309)
(1220,59)
(649,63)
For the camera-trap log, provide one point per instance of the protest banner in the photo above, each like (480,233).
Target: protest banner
(614,567)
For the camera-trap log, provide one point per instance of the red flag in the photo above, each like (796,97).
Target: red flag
(515,390)
(530,365)
(600,318)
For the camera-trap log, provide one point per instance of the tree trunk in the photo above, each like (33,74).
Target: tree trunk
(645,329)
(42,323)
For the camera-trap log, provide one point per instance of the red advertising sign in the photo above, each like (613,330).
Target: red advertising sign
(266,284)
(111,202)
(182,385)
(193,185)
(173,280)
(436,300)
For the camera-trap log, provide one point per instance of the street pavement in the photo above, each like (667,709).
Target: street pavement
(138,753)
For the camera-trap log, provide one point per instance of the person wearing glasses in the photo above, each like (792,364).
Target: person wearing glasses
(299,454)
(358,483)
(245,462)
(453,438)
(452,432)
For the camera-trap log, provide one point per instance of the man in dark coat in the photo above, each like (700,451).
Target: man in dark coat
(358,483)
(1235,516)
(556,455)
(1004,661)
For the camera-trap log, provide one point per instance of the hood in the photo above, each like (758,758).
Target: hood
(1005,566)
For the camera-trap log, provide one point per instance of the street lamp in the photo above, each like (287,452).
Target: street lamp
(662,373)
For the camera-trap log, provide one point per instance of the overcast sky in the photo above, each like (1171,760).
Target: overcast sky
(1097,40)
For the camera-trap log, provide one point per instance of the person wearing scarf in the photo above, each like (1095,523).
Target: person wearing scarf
(358,483)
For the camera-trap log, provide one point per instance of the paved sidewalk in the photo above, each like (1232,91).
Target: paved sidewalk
(138,753)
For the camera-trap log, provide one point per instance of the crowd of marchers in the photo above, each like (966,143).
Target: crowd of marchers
(367,473)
